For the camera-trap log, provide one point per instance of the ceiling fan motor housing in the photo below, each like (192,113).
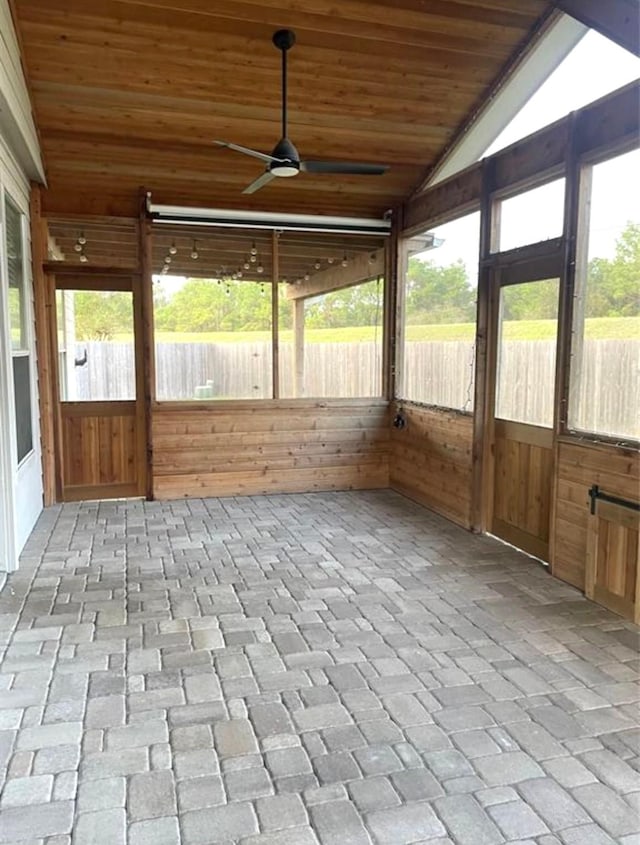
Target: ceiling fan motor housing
(289,164)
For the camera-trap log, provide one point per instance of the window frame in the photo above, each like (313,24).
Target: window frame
(582,166)
(450,216)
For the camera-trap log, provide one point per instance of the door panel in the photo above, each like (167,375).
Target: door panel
(102,432)
(523,477)
(523,416)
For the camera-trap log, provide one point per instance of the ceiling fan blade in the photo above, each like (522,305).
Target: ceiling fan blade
(260,182)
(348,167)
(246,151)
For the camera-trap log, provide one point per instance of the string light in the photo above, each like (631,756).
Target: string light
(167,259)
(173,248)
(194,251)
(317,265)
(77,247)
(344,261)
(246,264)
(83,258)
(81,239)
(260,268)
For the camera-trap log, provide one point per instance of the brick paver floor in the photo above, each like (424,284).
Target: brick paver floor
(342,669)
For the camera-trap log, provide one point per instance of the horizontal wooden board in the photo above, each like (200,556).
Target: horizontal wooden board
(615,470)
(430,461)
(248,448)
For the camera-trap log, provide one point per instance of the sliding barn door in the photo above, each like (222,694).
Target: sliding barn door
(613,557)
(100,415)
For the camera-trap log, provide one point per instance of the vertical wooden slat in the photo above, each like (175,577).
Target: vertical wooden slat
(275,338)
(298,347)
(39,249)
(146,342)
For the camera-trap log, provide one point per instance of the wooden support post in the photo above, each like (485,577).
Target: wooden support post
(275,345)
(298,347)
(392,330)
(39,239)
(569,344)
(148,381)
(481,480)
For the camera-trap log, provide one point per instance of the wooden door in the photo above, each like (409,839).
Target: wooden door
(523,402)
(100,416)
(613,557)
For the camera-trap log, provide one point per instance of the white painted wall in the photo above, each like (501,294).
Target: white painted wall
(20,161)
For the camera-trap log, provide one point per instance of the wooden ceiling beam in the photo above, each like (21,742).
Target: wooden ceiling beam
(618,20)
(362,268)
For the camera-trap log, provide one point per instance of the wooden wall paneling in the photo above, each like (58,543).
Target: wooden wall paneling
(147,338)
(614,469)
(46,403)
(244,448)
(431,461)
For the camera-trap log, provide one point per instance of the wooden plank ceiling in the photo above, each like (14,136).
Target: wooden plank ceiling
(131,93)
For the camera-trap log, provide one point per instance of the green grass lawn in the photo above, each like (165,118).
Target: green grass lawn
(599,328)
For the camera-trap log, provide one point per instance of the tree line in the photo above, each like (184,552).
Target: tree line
(433,294)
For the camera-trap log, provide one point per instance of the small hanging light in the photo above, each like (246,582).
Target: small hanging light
(260,268)
(254,250)
(306,277)
(173,248)
(317,265)
(77,247)
(167,259)
(246,264)
(330,260)
(194,251)
(239,274)
(344,261)
(83,258)
(81,239)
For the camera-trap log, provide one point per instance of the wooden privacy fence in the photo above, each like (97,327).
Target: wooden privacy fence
(606,395)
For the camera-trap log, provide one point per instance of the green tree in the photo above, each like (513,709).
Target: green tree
(99,315)
(438,294)
(360,305)
(613,285)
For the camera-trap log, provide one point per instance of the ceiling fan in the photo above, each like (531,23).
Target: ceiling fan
(284,160)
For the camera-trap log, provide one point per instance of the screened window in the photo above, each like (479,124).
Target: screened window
(526,372)
(18,327)
(439,314)
(605,376)
(334,345)
(530,216)
(96,359)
